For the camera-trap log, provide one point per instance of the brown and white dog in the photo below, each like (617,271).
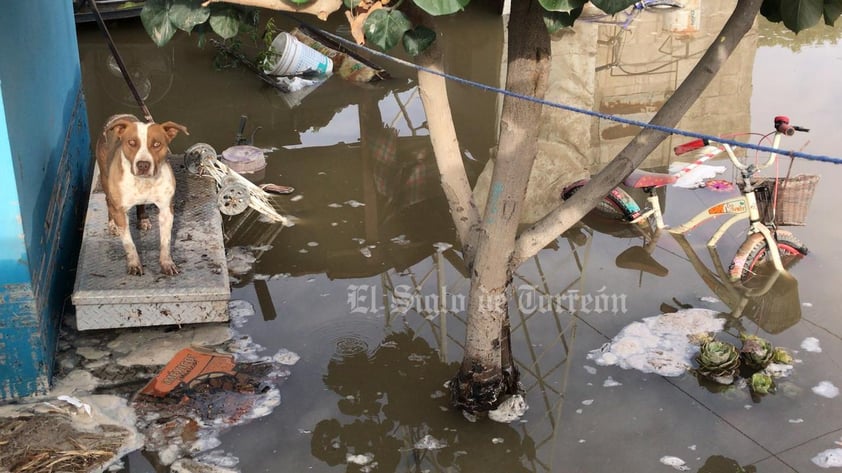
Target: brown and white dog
(133,170)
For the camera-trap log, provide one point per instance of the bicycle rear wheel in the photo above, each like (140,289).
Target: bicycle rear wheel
(618,204)
(755,250)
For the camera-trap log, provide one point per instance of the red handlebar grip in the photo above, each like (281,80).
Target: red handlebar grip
(690,146)
(786,129)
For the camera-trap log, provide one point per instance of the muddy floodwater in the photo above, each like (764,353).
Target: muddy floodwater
(368,286)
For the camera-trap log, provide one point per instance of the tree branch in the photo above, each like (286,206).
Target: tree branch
(319,8)
(454,179)
(539,235)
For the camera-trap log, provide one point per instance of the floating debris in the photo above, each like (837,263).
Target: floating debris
(428,442)
(831,458)
(363,459)
(697,176)
(811,344)
(587,402)
(36,438)
(659,344)
(778,370)
(497,440)
(710,300)
(442,246)
(674,462)
(286,357)
(192,466)
(354,203)
(334,205)
(280,190)
(610,383)
(400,240)
(826,389)
(796,421)
(240,260)
(511,409)
(590,369)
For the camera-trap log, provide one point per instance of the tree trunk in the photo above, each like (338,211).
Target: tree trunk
(485,376)
(563,217)
(454,180)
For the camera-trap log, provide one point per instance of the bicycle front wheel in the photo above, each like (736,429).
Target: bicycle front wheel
(755,250)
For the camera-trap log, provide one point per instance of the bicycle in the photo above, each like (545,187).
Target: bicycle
(763,233)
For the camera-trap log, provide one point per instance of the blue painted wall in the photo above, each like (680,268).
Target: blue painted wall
(44,145)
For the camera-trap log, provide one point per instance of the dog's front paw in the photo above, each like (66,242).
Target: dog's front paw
(112,228)
(169,268)
(135,269)
(144,224)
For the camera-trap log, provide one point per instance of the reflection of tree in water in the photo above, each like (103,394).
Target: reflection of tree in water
(393,399)
(776,34)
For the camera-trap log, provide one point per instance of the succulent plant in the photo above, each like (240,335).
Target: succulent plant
(718,361)
(761,383)
(779,355)
(756,352)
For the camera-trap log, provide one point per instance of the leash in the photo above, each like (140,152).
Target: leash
(123,70)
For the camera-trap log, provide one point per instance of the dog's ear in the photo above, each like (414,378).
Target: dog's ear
(172,129)
(120,125)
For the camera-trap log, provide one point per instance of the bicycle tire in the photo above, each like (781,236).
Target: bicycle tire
(617,204)
(754,251)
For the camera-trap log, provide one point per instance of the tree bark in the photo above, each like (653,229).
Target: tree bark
(454,179)
(484,376)
(539,235)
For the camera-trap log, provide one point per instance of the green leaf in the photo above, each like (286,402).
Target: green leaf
(832,10)
(565,6)
(300,2)
(351,4)
(558,20)
(155,17)
(225,22)
(441,7)
(771,9)
(186,14)
(612,6)
(801,14)
(385,28)
(415,41)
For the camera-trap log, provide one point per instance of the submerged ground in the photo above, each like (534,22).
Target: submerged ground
(367,288)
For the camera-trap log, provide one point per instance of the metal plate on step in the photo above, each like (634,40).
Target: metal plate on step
(106,296)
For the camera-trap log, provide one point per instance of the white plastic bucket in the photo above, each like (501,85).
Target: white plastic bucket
(294,57)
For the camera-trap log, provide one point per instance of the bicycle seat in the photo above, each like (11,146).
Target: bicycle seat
(642,179)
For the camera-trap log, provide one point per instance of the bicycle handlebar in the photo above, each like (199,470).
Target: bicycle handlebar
(782,126)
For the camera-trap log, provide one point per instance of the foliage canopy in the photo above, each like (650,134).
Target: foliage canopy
(385,24)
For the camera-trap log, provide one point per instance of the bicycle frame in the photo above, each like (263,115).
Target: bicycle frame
(740,208)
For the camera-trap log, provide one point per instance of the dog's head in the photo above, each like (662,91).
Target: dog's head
(145,145)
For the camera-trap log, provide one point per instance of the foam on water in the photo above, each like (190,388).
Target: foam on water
(831,458)
(674,462)
(659,344)
(811,344)
(826,389)
(509,410)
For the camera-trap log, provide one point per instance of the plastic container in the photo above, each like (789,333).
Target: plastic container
(295,58)
(244,159)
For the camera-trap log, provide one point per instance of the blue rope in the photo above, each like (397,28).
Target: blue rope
(591,113)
